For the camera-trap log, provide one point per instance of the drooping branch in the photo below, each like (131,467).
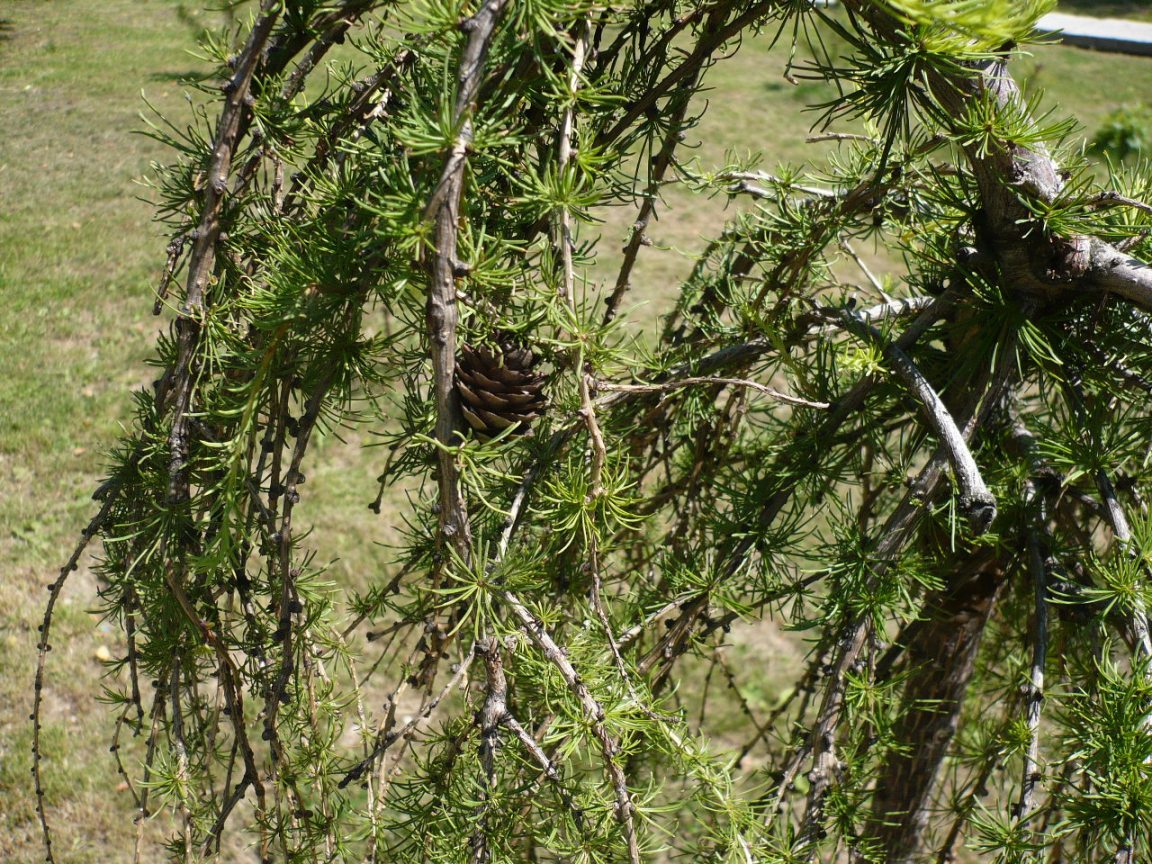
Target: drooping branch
(202,258)
(1123,532)
(1032,776)
(444,269)
(976,500)
(947,640)
(490,719)
(43,646)
(594,714)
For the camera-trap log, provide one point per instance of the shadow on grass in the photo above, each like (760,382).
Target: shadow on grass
(6,29)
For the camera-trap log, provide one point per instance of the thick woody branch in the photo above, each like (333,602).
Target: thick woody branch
(1113,271)
(443,211)
(1010,177)
(976,500)
(202,259)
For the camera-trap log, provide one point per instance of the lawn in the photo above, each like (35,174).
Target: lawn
(1135,9)
(78,261)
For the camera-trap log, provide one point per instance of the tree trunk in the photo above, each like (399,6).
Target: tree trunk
(940,652)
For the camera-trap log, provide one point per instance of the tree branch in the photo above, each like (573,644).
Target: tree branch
(708,379)
(1113,271)
(976,500)
(443,268)
(593,711)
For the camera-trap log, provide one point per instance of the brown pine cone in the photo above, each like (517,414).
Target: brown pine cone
(499,388)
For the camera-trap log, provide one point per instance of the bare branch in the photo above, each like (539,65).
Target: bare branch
(688,67)
(743,182)
(599,452)
(594,713)
(976,500)
(444,211)
(490,718)
(1115,199)
(707,379)
(840,136)
(637,237)
(1035,695)
(43,646)
(868,274)
(1116,272)
(202,259)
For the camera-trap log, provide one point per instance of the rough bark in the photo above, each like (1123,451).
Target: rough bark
(1032,262)
(940,654)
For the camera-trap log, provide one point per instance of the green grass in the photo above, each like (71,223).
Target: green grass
(1135,9)
(78,262)
(78,257)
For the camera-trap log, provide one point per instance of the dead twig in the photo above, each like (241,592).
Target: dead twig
(665,386)
(593,711)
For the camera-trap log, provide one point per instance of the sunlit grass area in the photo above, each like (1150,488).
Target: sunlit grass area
(79,259)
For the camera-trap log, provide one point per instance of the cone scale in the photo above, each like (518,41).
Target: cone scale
(499,388)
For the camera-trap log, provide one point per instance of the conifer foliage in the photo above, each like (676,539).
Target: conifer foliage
(386,218)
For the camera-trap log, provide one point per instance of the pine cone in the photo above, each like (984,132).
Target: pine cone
(499,388)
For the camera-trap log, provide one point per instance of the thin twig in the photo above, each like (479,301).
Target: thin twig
(839,136)
(1123,532)
(868,274)
(564,237)
(599,451)
(43,646)
(762,730)
(142,812)
(289,604)
(664,386)
(489,719)
(637,238)
(1035,692)
(387,736)
(202,258)
(1115,199)
(546,764)
(594,713)
(745,177)
(181,748)
(822,740)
